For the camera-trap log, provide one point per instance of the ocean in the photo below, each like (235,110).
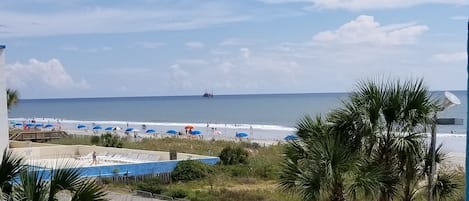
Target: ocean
(264,116)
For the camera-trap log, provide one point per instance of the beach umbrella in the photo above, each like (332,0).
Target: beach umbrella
(129,129)
(97,128)
(80,126)
(171,132)
(48,126)
(109,129)
(290,137)
(38,125)
(18,124)
(29,125)
(150,131)
(196,132)
(242,135)
(189,127)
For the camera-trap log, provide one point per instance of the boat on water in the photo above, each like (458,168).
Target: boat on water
(208,95)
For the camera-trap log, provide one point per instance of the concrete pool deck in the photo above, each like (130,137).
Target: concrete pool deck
(110,161)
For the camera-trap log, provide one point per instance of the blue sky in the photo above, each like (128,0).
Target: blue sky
(89,48)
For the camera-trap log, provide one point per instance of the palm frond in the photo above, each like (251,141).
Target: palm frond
(65,177)
(33,185)
(89,190)
(10,167)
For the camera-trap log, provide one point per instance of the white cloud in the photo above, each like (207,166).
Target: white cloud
(285,1)
(366,4)
(365,30)
(40,75)
(149,45)
(237,42)
(459,17)
(195,45)
(100,49)
(113,20)
(246,53)
(451,57)
(72,48)
(192,61)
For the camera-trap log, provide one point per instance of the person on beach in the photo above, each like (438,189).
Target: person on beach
(95,161)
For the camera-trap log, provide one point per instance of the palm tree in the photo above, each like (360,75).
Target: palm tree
(388,121)
(12,98)
(378,135)
(319,163)
(37,184)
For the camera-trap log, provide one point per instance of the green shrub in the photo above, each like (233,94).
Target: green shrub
(263,168)
(236,170)
(250,145)
(190,170)
(110,140)
(229,195)
(95,140)
(177,193)
(152,185)
(202,196)
(233,155)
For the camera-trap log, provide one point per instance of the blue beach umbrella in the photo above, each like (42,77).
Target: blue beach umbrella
(290,137)
(97,128)
(242,134)
(80,126)
(48,126)
(150,131)
(29,125)
(196,132)
(108,129)
(129,129)
(38,125)
(18,124)
(171,132)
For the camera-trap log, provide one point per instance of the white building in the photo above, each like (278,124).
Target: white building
(4,139)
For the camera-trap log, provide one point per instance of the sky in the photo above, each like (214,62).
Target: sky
(92,48)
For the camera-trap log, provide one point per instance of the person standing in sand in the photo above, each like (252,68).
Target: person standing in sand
(95,162)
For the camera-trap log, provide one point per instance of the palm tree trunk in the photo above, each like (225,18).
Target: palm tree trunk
(338,193)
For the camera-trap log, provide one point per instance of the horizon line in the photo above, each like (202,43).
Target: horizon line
(194,95)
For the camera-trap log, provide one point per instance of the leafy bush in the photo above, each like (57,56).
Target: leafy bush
(233,155)
(263,168)
(236,170)
(250,145)
(109,140)
(152,185)
(227,195)
(177,193)
(190,170)
(95,140)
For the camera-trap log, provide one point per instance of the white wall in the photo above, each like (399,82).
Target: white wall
(3,105)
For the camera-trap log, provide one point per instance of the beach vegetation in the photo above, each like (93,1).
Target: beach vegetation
(152,185)
(12,98)
(258,179)
(110,140)
(233,155)
(373,147)
(95,140)
(189,170)
(176,193)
